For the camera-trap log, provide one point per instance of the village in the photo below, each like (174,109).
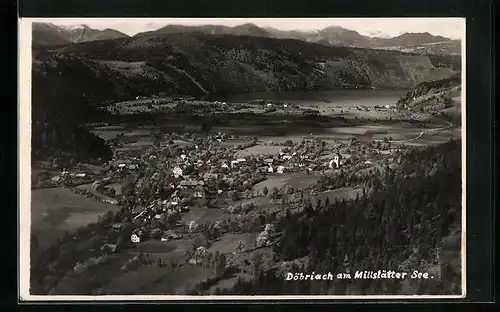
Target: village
(183,172)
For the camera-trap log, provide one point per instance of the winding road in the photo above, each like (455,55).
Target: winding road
(424,132)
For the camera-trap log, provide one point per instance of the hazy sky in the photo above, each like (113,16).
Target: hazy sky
(447,27)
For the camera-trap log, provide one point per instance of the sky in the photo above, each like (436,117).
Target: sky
(447,27)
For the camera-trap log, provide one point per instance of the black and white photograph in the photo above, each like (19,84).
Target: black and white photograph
(233,158)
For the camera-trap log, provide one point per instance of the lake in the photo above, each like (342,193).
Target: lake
(330,98)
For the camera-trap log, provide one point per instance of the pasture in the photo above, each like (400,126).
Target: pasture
(259,150)
(229,242)
(296,180)
(57,210)
(202,215)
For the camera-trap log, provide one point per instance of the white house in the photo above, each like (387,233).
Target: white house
(286,157)
(177,171)
(183,156)
(135,239)
(198,194)
(224,165)
(335,162)
(270,169)
(268,160)
(269,105)
(280,169)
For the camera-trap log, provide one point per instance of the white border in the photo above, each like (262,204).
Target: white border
(24,213)
(463,114)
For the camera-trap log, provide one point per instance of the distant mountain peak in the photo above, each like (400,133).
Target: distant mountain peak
(51,34)
(74,27)
(247,25)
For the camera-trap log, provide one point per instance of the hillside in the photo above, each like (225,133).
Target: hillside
(197,64)
(440,96)
(46,34)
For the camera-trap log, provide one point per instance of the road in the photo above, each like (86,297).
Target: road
(424,132)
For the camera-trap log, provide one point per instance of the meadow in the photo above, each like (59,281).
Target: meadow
(55,211)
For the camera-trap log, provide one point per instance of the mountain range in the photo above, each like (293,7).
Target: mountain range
(47,34)
(422,43)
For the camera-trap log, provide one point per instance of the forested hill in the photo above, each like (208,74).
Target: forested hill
(410,220)
(442,97)
(430,87)
(197,63)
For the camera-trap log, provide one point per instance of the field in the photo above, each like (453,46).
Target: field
(201,215)
(229,242)
(260,150)
(57,210)
(294,179)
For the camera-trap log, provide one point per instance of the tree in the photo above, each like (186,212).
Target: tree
(318,204)
(327,201)
(274,192)
(262,219)
(265,191)
(222,184)
(256,264)
(309,209)
(220,265)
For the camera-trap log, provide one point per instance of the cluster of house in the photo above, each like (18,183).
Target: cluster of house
(194,172)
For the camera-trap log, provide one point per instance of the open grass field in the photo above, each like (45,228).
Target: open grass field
(296,180)
(260,150)
(57,210)
(202,215)
(229,242)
